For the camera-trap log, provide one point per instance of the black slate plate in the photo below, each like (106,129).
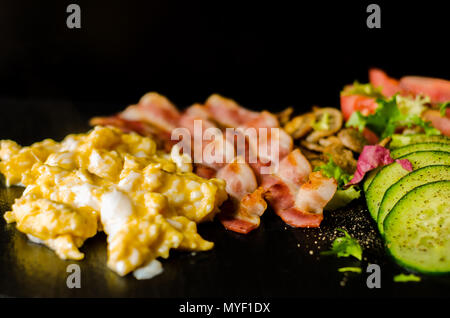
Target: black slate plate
(275,260)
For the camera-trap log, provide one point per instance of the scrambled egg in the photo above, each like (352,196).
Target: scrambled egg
(146,201)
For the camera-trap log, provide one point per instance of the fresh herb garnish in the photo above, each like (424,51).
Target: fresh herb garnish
(345,246)
(426,125)
(403,278)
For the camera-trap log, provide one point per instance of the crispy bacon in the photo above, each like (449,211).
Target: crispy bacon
(315,194)
(227,112)
(282,186)
(263,120)
(246,217)
(247,205)
(206,148)
(271,146)
(294,168)
(198,111)
(155,109)
(296,194)
(247,200)
(298,218)
(240,178)
(279,193)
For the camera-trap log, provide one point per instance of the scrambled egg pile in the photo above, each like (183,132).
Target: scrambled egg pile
(146,201)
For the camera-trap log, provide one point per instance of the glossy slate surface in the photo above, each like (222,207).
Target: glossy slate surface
(274,260)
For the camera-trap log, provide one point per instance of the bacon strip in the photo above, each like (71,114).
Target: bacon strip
(247,215)
(247,202)
(155,109)
(227,112)
(298,195)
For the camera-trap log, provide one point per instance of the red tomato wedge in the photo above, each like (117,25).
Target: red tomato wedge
(437,89)
(378,78)
(438,122)
(370,136)
(351,103)
(366,105)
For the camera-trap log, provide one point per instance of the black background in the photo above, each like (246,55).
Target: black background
(263,54)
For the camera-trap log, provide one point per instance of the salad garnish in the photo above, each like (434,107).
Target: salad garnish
(345,246)
(389,116)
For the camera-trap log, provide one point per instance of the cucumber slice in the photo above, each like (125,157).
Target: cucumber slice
(424,146)
(369,178)
(407,183)
(404,140)
(417,230)
(390,174)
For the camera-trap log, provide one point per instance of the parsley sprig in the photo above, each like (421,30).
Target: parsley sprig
(345,246)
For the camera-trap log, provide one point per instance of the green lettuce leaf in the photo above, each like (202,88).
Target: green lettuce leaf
(426,125)
(412,106)
(357,120)
(342,197)
(362,89)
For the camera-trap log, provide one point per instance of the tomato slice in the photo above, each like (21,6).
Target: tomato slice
(437,89)
(351,103)
(378,78)
(438,122)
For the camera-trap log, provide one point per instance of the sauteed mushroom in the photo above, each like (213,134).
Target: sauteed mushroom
(328,121)
(311,146)
(352,139)
(310,154)
(342,157)
(327,138)
(332,140)
(283,116)
(299,126)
